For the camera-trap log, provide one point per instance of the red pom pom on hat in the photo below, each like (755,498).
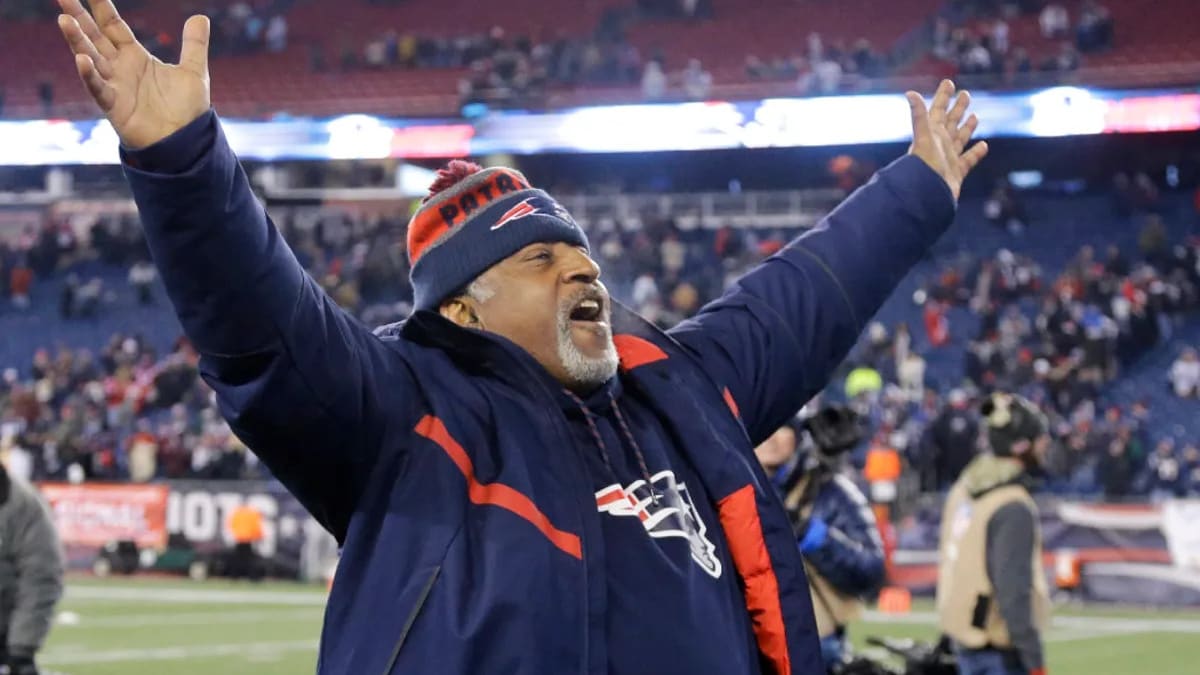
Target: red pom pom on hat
(451,175)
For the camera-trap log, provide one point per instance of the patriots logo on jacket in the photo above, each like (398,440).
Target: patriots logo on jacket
(674,514)
(532,206)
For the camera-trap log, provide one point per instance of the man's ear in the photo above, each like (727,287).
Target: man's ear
(461,310)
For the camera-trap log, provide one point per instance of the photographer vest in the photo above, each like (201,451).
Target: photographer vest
(833,609)
(966,608)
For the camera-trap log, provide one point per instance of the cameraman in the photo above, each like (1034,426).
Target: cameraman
(834,525)
(992,596)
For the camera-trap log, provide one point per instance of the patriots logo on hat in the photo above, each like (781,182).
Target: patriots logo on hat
(532,206)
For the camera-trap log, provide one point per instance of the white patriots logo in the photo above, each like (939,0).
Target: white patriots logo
(674,514)
(532,206)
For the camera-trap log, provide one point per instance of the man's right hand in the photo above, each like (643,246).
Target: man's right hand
(144,99)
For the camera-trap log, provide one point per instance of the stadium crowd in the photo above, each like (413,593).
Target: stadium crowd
(823,67)
(973,37)
(1059,342)
(132,413)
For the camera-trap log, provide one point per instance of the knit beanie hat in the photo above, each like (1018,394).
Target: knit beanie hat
(472,219)
(1010,419)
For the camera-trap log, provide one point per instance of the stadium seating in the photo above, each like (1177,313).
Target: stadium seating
(1151,44)
(1154,43)
(777,28)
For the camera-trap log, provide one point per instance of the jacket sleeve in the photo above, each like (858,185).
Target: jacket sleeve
(777,334)
(300,382)
(39,565)
(1010,541)
(852,556)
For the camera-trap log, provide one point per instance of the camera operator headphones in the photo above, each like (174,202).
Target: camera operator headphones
(1010,419)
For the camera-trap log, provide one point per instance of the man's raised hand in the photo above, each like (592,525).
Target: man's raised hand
(145,99)
(940,135)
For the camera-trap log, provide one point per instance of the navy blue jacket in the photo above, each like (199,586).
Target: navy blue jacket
(851,557)
(439,458)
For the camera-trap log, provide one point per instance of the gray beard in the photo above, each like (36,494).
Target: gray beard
(585,371)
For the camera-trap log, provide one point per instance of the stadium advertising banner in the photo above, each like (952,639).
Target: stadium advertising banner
(199,510)
(92,515)
(779,122)
(1124,553)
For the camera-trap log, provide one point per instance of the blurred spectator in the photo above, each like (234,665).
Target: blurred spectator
(654,81)
(143,453)
(1004,208)
(1190,460)
(1164,476)
(976,59)
(901,343)
(863,381)
(1152,240)
(1185,374)
(277,33)
(141,277)
(1094,31)
(1054,21)
(1066,61)
(937,326)
(999,36)
(1018,66)
(755,69)
(1116,264)
(943,45)
(19,283)
(697,82)
(1116,466)
(910,373)
(949,442)
(827,74)
(245,526)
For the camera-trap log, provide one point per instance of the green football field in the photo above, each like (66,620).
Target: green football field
(167,627)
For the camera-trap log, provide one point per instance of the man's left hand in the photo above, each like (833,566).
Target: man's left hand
(940,135)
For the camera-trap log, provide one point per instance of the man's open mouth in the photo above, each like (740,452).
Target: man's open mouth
(590,309)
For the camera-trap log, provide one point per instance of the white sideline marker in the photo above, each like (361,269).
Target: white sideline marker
(256,651)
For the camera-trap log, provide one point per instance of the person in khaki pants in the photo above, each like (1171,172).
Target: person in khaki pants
(992,596)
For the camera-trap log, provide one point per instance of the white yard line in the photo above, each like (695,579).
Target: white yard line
(1071,623)
(198,596)
(179,653)
(218,615)
(1073,635)
(1130,625)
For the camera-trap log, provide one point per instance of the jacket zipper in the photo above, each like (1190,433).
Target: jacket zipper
(412,618)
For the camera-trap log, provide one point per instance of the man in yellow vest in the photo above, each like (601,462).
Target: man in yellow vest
(992,596)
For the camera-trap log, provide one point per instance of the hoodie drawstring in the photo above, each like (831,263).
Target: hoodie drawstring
(599,441)
(596,438)
(637,449)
